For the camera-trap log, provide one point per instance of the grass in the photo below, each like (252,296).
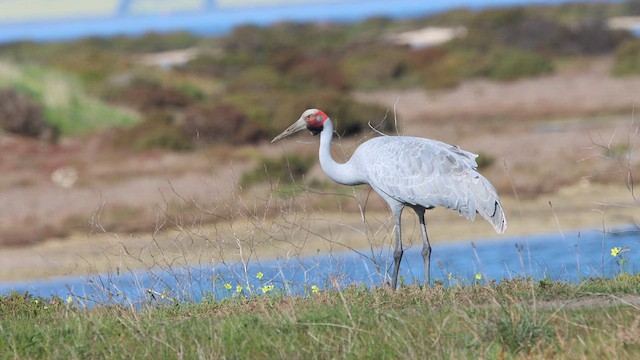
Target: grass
(287,170)
(67,105)
(517,318)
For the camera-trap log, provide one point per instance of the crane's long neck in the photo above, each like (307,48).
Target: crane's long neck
(345,174)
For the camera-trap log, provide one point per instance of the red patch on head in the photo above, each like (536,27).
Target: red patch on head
(316,120)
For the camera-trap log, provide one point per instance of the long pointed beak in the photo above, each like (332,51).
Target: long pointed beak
(294,128)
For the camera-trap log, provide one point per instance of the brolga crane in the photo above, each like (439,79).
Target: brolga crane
(409,171)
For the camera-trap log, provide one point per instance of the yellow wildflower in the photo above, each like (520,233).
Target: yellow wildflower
(69,300)
(259,275)
(227,286)
(314,289)
(615,251)
(238,288)
(478,276)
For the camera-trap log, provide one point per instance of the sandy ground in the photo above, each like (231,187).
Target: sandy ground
(565,213)
(557,164)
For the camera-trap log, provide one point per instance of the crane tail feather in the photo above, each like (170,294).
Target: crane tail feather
(497,219)
(488,204)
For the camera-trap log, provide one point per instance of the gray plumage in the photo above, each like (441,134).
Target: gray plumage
(409,171)
(428,173)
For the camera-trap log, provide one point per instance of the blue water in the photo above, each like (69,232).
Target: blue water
(220,20)
(568,257)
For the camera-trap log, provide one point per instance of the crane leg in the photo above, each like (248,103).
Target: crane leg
(426,249)
(397,253)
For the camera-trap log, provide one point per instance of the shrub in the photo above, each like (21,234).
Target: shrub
(274,111)
(192,92)
(526,29)
(373,67)
(511,64)
(156,131)
(627,59)
(445,68)
(257,78)
(92,65)
(203,64)
(80,114)
(317,73)
(591,38)
(163,137)
(199,124)
(20,115)
(219,123)
(147,95)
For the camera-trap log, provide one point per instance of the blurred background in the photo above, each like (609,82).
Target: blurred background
(124,121)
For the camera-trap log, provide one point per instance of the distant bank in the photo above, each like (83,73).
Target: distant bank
(219,20)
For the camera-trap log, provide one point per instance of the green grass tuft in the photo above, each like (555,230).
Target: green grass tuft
(67,106)
(505,320)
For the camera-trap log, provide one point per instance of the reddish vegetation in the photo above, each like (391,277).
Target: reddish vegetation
(220,123)
(147,97)
(19,115)
(545,129)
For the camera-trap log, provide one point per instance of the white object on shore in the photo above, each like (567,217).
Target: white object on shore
(428,37)
(65,176)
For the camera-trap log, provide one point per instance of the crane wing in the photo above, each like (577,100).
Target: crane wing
(430,173)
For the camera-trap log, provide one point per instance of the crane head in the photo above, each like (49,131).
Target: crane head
(312,120)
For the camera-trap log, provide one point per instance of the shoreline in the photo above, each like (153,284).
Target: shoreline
(297,235)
